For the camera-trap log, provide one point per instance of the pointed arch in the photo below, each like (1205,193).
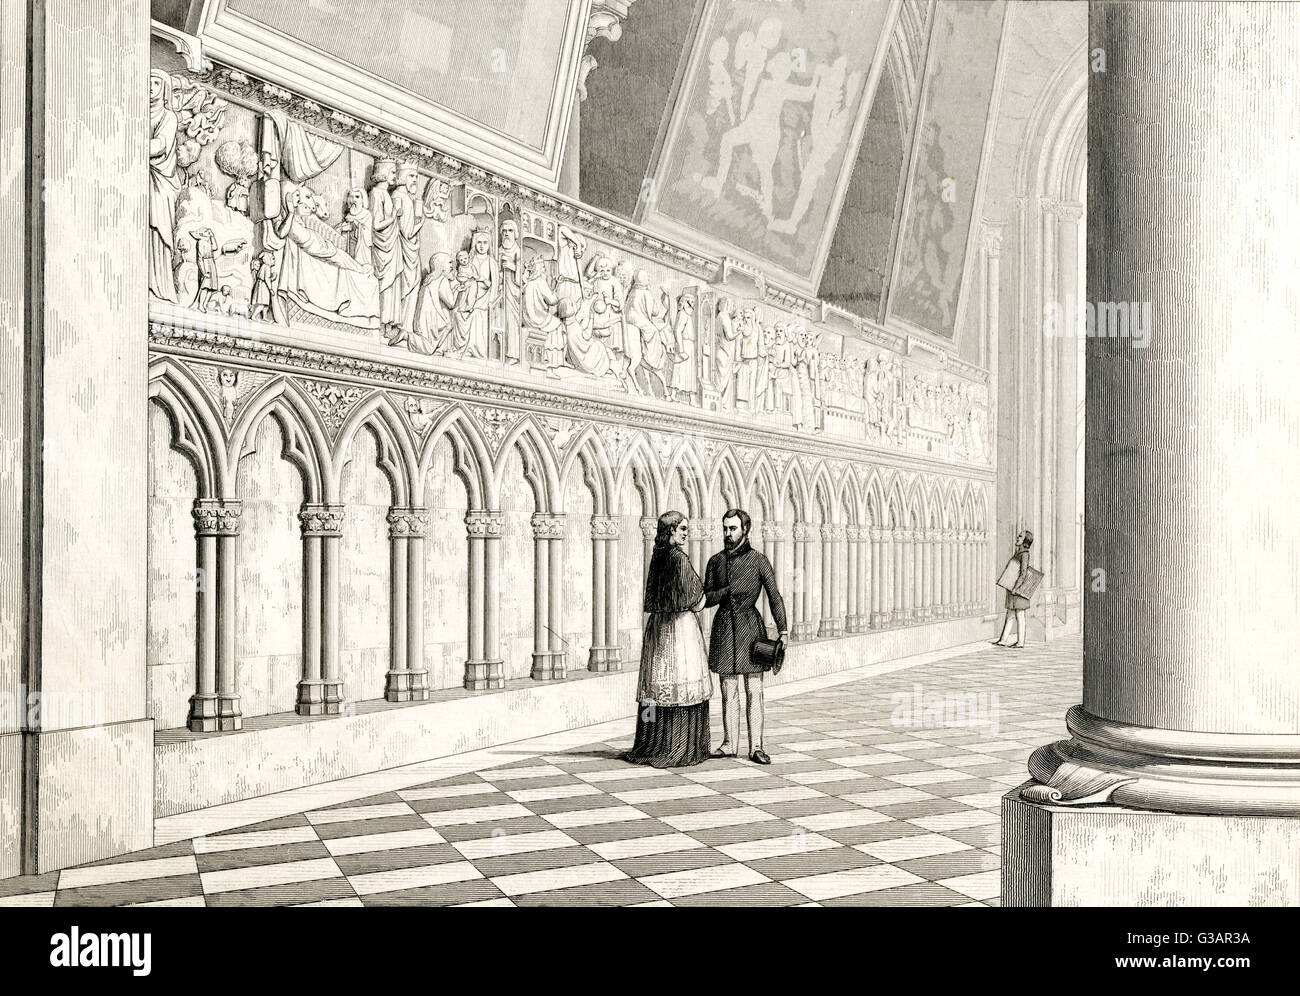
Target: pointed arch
(848,496)
(795,484)
(588,454)
(471,460)
(822,492)
(762,487)
(638,464)
(726,471)
(397,458)
(686,462)
(196,430)
(305,443)
(874,490)
(540,470)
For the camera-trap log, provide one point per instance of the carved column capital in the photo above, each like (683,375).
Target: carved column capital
(217,516)
(991,239)
(833,531)
(804,531)
(606,527)
(484,523)
(698,530)
(408,520)
(318,519)
(548,525)
(649,527)
(772,530)
(879,534)
(1069,211)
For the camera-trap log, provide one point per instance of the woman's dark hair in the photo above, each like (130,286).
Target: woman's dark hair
(669,521)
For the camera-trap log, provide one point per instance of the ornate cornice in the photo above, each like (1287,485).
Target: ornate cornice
(261,350)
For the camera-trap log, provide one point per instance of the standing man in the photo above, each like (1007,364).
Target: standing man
(732,582)
(1016,604)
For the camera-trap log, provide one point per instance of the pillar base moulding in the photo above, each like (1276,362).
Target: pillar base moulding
(879,620)
(549,666)
(1178,771)
(605,659)
(481,676)
(802,631)
(406,686)
(830,627)
(317,697)
(856,624)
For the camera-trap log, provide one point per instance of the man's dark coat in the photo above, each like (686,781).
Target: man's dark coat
(732,582)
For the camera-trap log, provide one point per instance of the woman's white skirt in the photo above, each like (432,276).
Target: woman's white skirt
(674,661)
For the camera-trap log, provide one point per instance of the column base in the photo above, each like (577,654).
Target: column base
(1217,774)
(830,627)
(204,714)
(1051,857)
(855,624)
(879,620)
(229,716)
(406,686)
(802,631)
(481,676)
(604,659)
(549,666)
(317,697)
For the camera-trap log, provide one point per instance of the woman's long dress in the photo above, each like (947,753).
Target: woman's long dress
(674,684)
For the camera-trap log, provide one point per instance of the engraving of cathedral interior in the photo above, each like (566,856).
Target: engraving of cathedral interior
(361,352)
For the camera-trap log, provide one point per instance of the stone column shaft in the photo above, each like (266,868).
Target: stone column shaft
(483,668)
(320,692)
(407,679)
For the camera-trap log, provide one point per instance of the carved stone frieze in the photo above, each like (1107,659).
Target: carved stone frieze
(547,525)
(484,523)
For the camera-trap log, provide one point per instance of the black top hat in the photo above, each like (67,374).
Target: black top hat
(769,654)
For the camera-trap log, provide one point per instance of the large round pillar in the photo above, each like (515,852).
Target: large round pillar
(1191,679)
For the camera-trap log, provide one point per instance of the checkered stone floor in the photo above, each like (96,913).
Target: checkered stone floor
(882,792)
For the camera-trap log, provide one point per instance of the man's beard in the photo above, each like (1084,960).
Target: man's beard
(730,544)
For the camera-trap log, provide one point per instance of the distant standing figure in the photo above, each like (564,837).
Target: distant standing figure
(674,685)
(1017,604)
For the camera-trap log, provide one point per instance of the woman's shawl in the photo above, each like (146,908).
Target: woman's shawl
(672,584)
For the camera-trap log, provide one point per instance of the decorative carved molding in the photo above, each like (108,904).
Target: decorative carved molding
(833,532)
(649,527)
(1066,783)
(333,401)
(410,520)
(605,20)
(496,423)
(217,516)
(606,527)
(484,523)
(319,519)
(772,530)
(547,525)
(189,47)
(804,531)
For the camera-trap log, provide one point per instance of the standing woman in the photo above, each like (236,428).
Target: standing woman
(1017,604)
(674,685)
